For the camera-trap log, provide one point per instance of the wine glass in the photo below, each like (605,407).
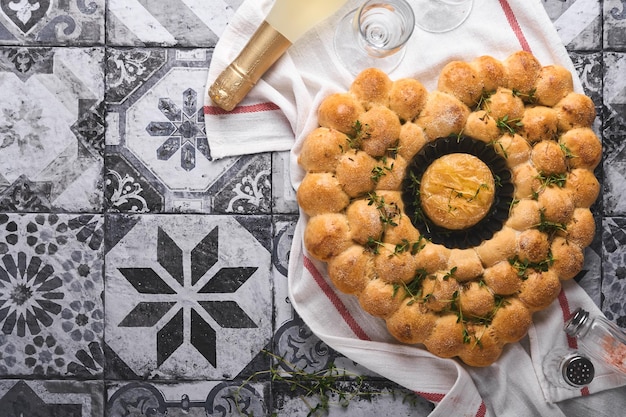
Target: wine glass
(441,15)
(374,35)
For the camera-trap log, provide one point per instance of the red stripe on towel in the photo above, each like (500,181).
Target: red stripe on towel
(430,396)
(254,108)
(510,16)
(335,300)
(482,410)
(564,303)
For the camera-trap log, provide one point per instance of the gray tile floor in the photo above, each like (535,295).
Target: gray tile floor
(140,278)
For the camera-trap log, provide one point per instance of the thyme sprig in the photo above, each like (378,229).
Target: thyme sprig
(507,125)
(329,387)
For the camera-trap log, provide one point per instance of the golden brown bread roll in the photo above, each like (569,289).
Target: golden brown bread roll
(581,228)
(505,107)
(480,125)
(482,349)
(583,186)
(446,339)
(364,221)
(411,140)
(381,129)
(372,87)
(548,158)
(412,323)
(340,111)
(461,80)
(511,321)
(351,270)
(568,258)
(575,110)
(539,123)
(327,235)
(407,98)
(533,246)
(583,148)
(464,264)
(379,299)
(321,193)
(394,267)
(476,301)
(442,116)
(390,173)
(556,205)
(490,72)
(539,289)
(522,71)
(501,246)
(553,84)
(525,214)
(321,150)
(502,278)
(354,173)
(513,148)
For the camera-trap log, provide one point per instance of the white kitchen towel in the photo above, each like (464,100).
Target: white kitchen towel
(278,114)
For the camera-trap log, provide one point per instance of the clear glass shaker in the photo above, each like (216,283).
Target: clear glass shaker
(567,368)
(600,338)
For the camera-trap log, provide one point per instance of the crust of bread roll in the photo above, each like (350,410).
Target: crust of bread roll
(500,247)
(539,289)
(482,349)
(502,278)
(407,98)
(548,158)
(490,72)
(461,80)
(352,269)
(539,123)
(372,87)
(466,263)
(446,339)
(327,235)
(584,148)
(442,116)
(320,193)
(522,71)
(412,323)
(513,148)
(476,301)
(568,258)
(533,246)
(511,321)
(354,173)
(583,186)
(381,129)
(556,204)
(481,126)
(340,111)
(321,150)
(581,228)
(554,83)
(575,110)
(379,299)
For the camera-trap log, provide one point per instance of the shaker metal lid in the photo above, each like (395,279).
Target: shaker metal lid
(578,371)
(575,322)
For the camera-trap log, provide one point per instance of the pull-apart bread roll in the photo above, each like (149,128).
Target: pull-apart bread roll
(454,214)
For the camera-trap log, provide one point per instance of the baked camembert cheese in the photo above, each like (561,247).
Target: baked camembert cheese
(454,214)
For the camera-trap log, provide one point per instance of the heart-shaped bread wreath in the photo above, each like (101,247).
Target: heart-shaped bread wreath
(453,214)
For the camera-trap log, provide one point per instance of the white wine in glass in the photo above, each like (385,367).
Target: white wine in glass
(374,35)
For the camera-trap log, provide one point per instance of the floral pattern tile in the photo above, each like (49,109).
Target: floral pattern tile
(52,129)
(51,287)
(48,22)
(158,158)
(614,274)
(193,292)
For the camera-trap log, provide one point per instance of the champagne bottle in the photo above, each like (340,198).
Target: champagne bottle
(285,23)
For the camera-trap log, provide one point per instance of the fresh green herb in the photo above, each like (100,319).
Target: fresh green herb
(510,126)
(547,226)
(406,246)
(524,267)
(387,212)
(529,97)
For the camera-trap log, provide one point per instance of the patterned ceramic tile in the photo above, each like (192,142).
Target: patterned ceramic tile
(51,398)
(52,129)
(614,265)
(158,158)
(283,194)
(173,23)
(193,291)
(51,22)
(578,22)
(614,191)
(615,24)
(51,287)
(206,399)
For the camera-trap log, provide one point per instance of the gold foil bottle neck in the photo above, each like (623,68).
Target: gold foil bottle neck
(259,54)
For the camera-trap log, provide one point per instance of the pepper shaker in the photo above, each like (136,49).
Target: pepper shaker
(567,368)
(600,338)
